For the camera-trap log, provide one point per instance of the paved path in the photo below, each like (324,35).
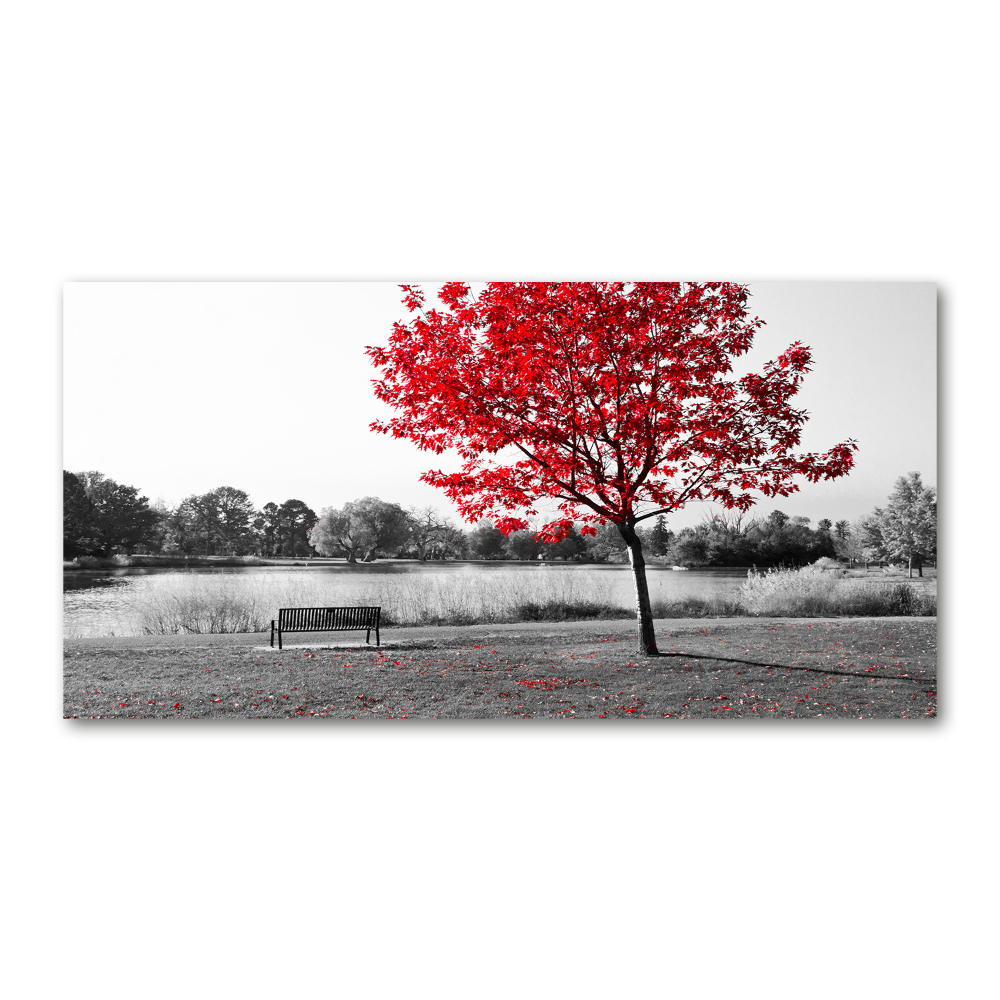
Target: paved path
(451,635)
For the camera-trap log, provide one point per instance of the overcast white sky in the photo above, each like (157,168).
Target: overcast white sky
(180,387)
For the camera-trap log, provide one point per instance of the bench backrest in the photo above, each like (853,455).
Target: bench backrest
(319,619)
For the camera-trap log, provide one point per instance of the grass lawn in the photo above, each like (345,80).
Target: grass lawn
(756,669)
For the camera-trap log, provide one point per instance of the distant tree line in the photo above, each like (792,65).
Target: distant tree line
(905,530)
(725,539)
(103,518)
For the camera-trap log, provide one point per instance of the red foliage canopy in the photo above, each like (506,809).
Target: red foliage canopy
(611,398)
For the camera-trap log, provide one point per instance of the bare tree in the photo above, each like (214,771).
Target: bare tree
(426,527)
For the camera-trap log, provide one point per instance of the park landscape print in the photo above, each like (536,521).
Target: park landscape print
(567,500)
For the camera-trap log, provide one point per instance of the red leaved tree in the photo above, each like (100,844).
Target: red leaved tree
(609,398)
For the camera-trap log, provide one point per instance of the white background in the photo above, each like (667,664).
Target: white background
(389,141)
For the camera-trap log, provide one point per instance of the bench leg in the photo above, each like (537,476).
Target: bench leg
(377,643)
(279,637)
(272,633)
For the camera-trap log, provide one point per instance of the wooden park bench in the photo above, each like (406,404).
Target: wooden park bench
(326,620)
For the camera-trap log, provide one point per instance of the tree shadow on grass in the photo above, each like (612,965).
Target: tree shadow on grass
(793,666)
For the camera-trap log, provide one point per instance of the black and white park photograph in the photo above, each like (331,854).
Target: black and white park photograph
(499,500)
(573,501)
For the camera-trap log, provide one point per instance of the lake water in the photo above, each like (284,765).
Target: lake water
(111,602)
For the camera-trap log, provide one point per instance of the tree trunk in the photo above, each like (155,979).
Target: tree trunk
(644,612)
(909,567)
